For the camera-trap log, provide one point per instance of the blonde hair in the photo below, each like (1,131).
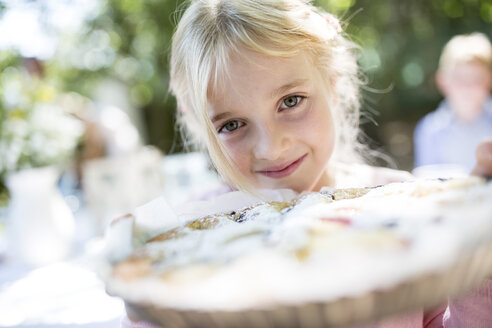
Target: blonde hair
(210,31)
(466,48)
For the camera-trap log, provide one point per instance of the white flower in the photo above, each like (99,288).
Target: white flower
(41,135)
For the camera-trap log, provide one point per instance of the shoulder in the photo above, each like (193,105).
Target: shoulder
(362,175)
(436,120)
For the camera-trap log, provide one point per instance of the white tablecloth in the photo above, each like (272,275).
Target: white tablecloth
(63,294)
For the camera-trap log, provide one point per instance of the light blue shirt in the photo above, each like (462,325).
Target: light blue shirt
(440,138)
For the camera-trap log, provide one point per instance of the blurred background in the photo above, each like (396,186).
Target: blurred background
(114,53)
(84,96)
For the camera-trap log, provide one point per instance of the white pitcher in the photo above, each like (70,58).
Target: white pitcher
(40,224)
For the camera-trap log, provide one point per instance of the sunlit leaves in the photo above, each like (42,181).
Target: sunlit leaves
(337,6)
(141,94)
(453,8)
(486,11)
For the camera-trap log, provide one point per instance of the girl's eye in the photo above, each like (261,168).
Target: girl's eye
(290,101)
(230,126)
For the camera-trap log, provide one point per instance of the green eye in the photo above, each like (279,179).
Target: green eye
(290,101)
(230,126)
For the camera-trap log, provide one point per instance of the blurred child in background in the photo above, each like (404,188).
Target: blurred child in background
(451,133)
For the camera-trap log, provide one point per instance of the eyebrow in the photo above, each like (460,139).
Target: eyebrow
(284,88)
(220,116)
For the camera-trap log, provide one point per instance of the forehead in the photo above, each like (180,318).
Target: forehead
(250,73)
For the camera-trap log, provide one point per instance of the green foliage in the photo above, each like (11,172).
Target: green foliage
(35,130)
(129,40)
(401,42)
(7,59)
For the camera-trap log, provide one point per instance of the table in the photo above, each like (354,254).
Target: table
(69,293)
(62,294)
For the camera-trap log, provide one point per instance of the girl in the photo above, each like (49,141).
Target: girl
(270,88)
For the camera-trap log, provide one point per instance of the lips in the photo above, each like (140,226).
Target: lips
(283,170)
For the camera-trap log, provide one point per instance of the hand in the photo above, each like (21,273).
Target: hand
(484,159)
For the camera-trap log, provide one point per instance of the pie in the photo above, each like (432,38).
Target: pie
(318,248)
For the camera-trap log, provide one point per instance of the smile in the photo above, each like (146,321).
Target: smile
(283,170)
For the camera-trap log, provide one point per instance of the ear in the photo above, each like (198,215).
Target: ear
(442,82)
(181,109)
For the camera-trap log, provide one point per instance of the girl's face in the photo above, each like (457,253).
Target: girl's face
(273,116)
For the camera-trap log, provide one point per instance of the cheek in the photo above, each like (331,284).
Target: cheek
(320,129)
(470,95)
(483,90)
(238,153)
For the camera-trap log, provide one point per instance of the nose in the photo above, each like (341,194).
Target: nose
(271,143)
